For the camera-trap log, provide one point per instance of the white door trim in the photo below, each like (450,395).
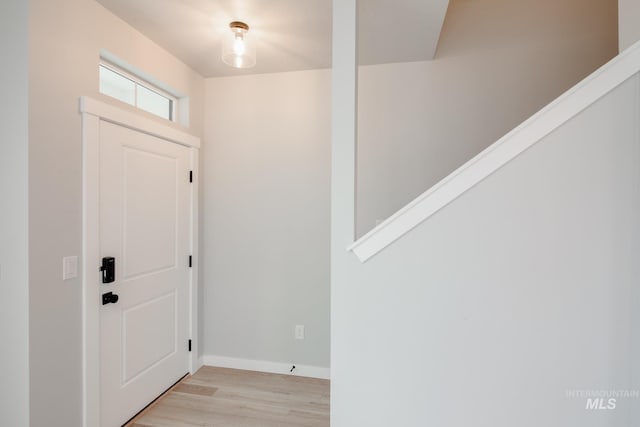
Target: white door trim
(92,113)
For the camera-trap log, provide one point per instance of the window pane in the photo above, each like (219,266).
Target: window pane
(117,86)
(154,103)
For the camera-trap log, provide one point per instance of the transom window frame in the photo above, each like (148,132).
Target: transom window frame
(139,82)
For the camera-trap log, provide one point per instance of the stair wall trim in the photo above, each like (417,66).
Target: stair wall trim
(507,148)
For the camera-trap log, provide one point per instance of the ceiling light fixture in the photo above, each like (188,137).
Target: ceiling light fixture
(237,50)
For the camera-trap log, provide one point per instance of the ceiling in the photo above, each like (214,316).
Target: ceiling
(289,35)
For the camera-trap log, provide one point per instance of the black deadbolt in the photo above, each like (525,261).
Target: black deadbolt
(108,269)
(109,298)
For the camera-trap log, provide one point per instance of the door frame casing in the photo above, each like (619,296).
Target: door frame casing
(93,112)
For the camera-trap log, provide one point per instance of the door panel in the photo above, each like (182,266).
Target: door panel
(141,351)
(145,201)
(150,217)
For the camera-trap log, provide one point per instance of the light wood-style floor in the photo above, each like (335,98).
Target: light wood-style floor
(232,398)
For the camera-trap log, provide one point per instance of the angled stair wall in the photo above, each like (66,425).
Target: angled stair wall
(510,288)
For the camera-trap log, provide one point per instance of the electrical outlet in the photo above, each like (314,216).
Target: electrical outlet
(299,332)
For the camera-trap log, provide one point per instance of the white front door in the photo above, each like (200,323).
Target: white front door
(145,223)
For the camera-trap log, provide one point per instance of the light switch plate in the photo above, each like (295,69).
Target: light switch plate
(299,332)
(69,267)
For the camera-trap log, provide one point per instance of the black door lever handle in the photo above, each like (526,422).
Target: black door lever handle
(109,298)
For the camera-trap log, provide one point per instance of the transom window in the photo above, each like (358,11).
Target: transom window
(124,86)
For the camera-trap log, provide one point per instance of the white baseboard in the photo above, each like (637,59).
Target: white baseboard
(265,366)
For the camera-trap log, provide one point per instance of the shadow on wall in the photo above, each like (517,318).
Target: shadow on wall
(497,63)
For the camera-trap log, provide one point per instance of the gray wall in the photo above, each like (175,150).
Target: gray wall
(498,62)
(14,272)
(519,290)
(629,26)
(266,163)
(65,39)
(418,122)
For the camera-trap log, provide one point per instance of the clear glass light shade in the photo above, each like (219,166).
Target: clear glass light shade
(237,49)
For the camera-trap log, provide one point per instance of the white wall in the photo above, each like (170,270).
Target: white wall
(65,41)
(629,22)
(519,290)
(266,162)
(14,271)
(498,62)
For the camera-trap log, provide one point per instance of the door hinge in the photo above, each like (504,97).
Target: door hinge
(190,261)
(189,345)
(190,176)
